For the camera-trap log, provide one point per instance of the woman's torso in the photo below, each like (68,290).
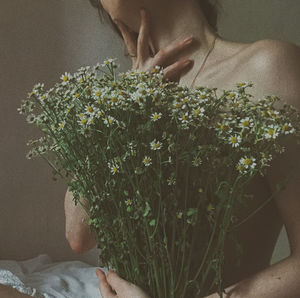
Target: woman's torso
(259,234)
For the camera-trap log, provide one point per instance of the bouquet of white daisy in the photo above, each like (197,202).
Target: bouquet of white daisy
(162,167)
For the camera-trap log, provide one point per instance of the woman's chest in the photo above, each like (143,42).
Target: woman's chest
(256,235)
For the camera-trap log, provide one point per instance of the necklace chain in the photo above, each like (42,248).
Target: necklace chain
(204,60)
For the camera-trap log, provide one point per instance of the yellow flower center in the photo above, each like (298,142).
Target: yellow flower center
(247,161)
(285,127)
(240,167)
(196,112)
(234,140)
(210,207)
(246,123)
(90,109)
(223,127)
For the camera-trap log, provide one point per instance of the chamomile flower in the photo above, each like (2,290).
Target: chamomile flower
(179,214)
(65,78)
(235,140)
(128,202)
(83,119)
(61,125)
(210,207)
(108,62)
(113,166)
(155,145)
(271,132)
(196,161)
(184,118)
(99,114)
(147,161)
(233,95)
(155,116)
(198,112)
(287,128)
(171,180)
(203,96)
(91,120)
(90,110)
(246,123)
(245,164)
(109,120)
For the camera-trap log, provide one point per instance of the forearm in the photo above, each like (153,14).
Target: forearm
(277,281)
(77,231)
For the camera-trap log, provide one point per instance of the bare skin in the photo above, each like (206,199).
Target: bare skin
(274,68)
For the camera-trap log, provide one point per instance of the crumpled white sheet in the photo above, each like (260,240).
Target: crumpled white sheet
(40,277)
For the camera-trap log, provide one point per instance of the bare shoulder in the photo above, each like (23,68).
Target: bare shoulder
(277,65)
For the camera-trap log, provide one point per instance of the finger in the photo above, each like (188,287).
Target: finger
(130,38)
(143,39)
(116,282)
(164,56)
(152,48)
(175,71)
(104,287)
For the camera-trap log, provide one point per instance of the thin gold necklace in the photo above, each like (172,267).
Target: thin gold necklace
(205,58)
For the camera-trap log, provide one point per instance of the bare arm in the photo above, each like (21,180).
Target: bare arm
(77,230)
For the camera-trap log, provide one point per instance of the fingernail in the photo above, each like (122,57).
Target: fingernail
(187,62)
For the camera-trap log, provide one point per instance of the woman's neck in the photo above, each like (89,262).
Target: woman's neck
(170,21)
(182,19)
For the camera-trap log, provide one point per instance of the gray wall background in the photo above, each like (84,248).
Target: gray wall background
(40,39)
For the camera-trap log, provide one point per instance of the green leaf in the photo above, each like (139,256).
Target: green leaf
(147,209)
(152,222)
(126,193)
(191,211)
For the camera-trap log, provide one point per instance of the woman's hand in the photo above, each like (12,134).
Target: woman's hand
(139,49)
(112,285)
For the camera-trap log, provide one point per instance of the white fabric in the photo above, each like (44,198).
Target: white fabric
(40,277)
